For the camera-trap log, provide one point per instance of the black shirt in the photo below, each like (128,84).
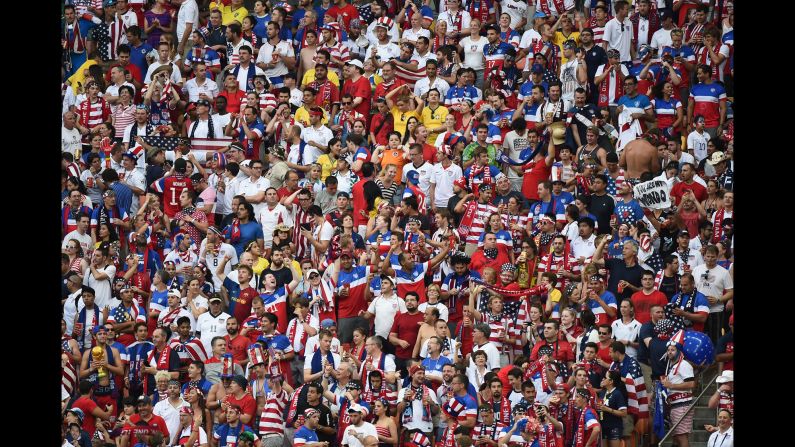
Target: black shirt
(325,419)
(283,276)
(602,207)
(498,199)
(451,204)
(652,354)
(588,112)
(615,400)
(153,172)
(594,57)
(425,224)
(618,271)
(669,286)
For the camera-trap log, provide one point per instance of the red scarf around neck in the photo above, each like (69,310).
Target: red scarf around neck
(604,87)
(580,440)
(559,6)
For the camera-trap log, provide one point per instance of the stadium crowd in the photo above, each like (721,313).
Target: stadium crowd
(394,223)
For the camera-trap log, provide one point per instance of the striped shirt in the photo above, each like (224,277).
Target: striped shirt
(301,243)
(272,418)
(123,117)
(98,112)
(338,51)
(479,222)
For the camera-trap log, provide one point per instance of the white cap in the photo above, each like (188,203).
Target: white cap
(727,376)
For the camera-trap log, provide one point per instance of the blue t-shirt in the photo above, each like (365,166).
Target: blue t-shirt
(304,436)
(616,401)
(565,198)
(637,102)
(226,435)
(250,231)
(628,212)
(138,56)
(436,365)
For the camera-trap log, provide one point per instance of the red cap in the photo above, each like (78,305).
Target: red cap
(461,182)
(347,253)
(562,386)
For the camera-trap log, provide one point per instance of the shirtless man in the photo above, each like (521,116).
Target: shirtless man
(427,329)
(639,156)
(308,53)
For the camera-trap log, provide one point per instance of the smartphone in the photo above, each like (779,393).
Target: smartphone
(306,226)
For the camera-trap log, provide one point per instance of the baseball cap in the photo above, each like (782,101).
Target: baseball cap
(346,253)
(570,44)
(343,194)
(214,298)
(386,277)
(355,63)
(613,53)
(310,271)
(537,68)
(355,408)
(328,322)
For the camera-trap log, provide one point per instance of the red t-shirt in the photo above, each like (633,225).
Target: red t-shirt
(237,346)
(679,190)
(561,350)
(535,172)
(429,153)
(283,192)
(604,353)
(243,306)
(138,427)
(480,261)
(406,328)
(644,302)
(383,131)
(348,13)
(359,203)
(233,100)
(87,405)
(247,405)
(359,89)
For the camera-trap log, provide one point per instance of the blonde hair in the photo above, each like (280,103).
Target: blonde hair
(162,375)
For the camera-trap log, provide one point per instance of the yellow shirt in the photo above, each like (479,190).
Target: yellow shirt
(328,164)
(261,265)
(558,40)
(309,76)
(302,116)
(434,119)
(401,119)
(78,76)
(227,15)
(554,295)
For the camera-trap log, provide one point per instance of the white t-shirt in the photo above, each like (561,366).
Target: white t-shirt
(452,17)
(312,344)
(493,361)
(210,327)
(385,310)
(454,347)
(70,140)
(365,429)
(698,142)
(283,49)
(176,76)
(444,312)
(473,52)
(321,136)
(322,233)
(424,85)
(425,171)
(443,179)
(202,434)
(270,218)
(233,276)
(515,9)
(84,239)
(101,287)
(529,38)
(188,13)
(713,282)
(71,308)
(629,332)
(611,85)
(169,413)
(694,260)
(583,247)
(417,409)
(249,188)
(619,39)
(309,355)
(661,39)
(412,35)
(208,87)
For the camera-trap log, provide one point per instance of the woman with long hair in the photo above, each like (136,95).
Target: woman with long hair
(386,182)
(410,138)
(357,351)
(465,119)
(106,233)
(535,327)
(244,228)
(384,424)
(77,261)
(445,234)
(346,229)
(569,329)
(589,334)
(198,403)
(194,300)
(378,227)
(612,408)
(714,198)
(248,33)
(724,255)
(392,153)
(123,113)
(627,328)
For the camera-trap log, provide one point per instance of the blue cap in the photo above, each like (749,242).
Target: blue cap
(537,68)
(413,177)
(643,51)
(540,15)
(327,323)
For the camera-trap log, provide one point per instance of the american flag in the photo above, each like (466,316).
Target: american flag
(197,144)
(191,350)
(409,76)
(637,398)
(68,376)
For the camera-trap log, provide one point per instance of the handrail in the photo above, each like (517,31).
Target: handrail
(691,407)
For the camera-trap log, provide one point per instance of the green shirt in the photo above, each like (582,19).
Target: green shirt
(469,150)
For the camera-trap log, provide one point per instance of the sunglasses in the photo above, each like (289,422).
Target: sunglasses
(346,103)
